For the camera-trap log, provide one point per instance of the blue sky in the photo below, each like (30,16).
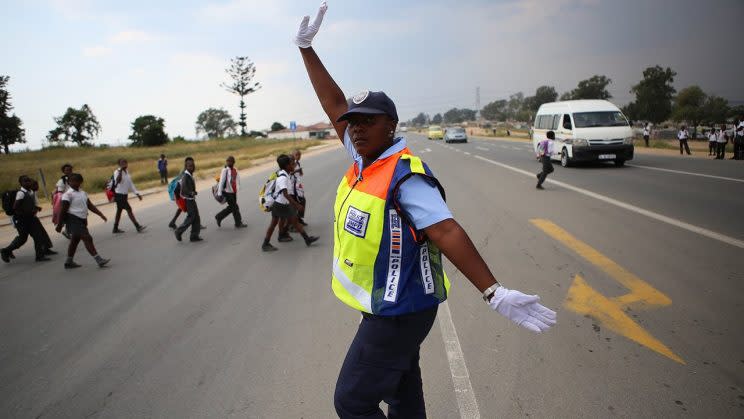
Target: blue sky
(167,58)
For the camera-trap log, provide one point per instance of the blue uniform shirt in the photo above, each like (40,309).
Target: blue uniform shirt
(418,198)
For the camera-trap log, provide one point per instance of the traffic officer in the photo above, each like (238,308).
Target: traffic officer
(391,228)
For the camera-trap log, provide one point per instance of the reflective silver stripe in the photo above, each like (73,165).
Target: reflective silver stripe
(363,297)
(426,275)
(395,259)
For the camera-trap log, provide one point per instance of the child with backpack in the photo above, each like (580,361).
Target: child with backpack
(228,186)
(284,206)
(188,192)
(60,188)
(21,205)
(75,207)
(122,184)
(544,151)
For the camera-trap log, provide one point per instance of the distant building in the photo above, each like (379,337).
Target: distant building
(317,131)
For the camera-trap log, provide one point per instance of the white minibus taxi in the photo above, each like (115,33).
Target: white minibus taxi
(585,130)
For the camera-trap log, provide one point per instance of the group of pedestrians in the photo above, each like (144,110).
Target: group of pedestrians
(718,139)
(71,207)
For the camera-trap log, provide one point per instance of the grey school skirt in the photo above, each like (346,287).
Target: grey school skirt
(77,226)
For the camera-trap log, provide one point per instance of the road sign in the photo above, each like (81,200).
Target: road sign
(293,126)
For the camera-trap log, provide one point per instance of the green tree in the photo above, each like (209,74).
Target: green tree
(420,119)
(216,123)
(736,112)
(437,119)
(594,87)
(277,126)
(148,130)
(79,126)
(688,107)
(241,71)
(716,110)
(495,111)
(543,94)
(452,116)
(654,94)
(11,126)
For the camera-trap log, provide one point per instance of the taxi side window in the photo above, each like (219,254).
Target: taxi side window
(567,122)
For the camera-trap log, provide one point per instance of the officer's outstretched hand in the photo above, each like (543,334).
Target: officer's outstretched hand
(306,33)
(524,310)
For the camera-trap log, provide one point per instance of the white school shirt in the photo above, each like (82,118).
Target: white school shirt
(299,188)
(282,183)
(22,194)
(62,187)
(646,131)
(126,183)
(740,129)
(683,134)
(712,137)
(721,137)
(226,181)
(78,200)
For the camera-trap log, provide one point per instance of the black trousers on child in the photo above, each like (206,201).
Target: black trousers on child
(721,151)
(546,170)
(382,364)
(686,146)
(192,219)
(231,208)
(28,226)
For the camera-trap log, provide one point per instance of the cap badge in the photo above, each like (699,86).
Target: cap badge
(360,97)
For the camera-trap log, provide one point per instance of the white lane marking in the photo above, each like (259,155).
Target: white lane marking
(656,216)
(467,153)
(459,370)
(482,148)
(687,173)
(517,148)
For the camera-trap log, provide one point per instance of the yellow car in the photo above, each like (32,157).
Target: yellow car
(435,133)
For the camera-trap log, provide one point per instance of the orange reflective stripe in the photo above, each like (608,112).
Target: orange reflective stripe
(376,177)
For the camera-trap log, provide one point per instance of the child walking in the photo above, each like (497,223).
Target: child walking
(285,206)
(75,207)
(188,193)
(544,151)
(124,184)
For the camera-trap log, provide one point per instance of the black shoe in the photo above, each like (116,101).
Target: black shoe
(268,247)
(117,230)
(140,229)
(539,186)
(241,225)
(179,235)
(66,235)
(202,227)
(310,240)
(5,255)
(71,265)
(103,262)
(219,222)
(172,226)
(302,222)
(50,252)
(284,239)
(196,239)
(12,256)
(42,259)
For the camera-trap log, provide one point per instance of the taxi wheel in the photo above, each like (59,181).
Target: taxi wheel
(564,158)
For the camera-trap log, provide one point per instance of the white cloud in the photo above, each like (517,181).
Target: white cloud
(96,51)
(132,36)
(244,10)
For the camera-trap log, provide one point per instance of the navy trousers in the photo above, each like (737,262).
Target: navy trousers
(382,364)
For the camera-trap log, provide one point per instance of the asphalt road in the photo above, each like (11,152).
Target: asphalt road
(650,303)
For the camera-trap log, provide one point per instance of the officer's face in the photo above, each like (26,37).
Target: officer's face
(371,134)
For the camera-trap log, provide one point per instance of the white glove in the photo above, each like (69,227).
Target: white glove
(306,33)
(524,310)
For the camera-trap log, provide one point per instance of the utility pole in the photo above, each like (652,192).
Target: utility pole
(477,103)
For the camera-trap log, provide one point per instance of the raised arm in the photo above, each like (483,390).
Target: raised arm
(331,97)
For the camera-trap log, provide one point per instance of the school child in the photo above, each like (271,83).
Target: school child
(163,169)
(37,225)
(122,185)
(188,193)
(712,141)
(25,221)
(721,141)
(285,206)
(544,151)
(299,185)
(60,188)
(228,186)
(75,207)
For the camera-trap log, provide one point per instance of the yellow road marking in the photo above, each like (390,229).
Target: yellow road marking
(583,299)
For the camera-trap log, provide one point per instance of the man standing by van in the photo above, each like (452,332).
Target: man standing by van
(544,151)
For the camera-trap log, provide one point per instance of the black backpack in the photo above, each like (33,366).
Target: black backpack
(9,198)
